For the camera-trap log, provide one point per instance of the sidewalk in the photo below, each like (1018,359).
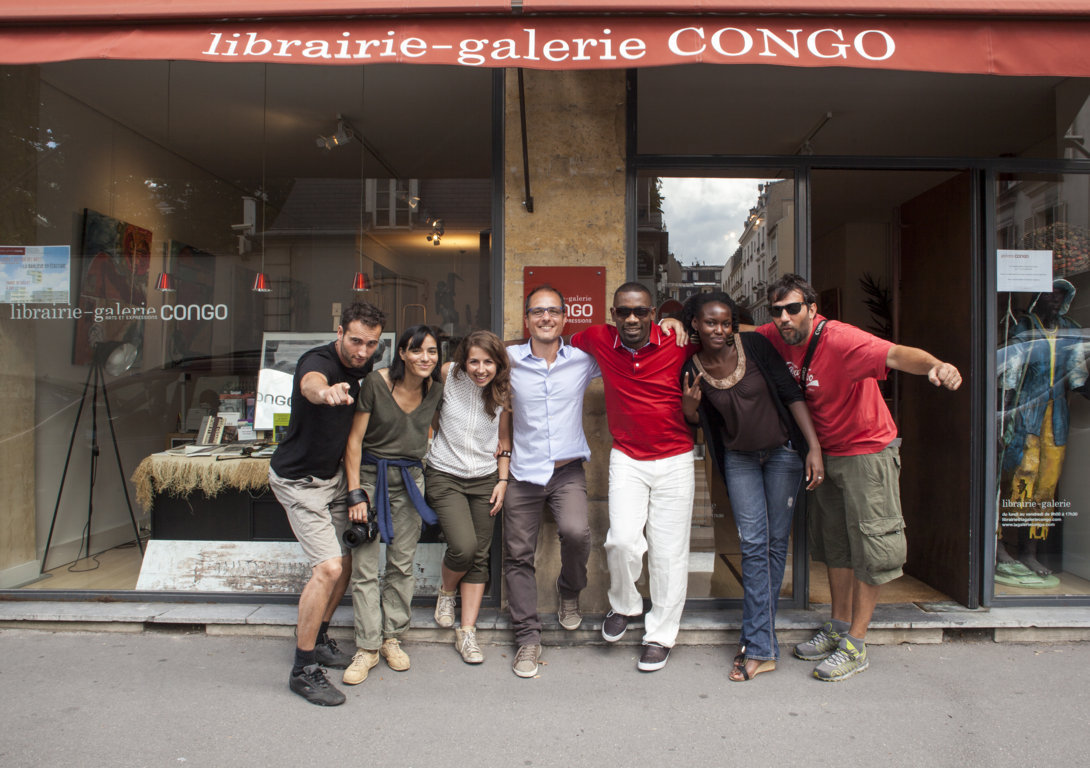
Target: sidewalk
(173,698)
(893,623)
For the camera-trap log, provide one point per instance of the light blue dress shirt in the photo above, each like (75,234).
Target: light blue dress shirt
(547,410)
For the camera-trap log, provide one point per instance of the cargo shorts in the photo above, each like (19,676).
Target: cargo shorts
(855,516)
(318,512)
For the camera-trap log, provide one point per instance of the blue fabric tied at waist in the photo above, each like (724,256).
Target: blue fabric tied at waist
(381,502)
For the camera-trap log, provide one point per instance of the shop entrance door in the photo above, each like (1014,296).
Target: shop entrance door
(891,252)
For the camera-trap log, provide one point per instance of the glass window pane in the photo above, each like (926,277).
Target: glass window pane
(1043,260)
(141,203)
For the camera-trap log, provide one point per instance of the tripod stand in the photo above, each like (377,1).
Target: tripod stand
(101,355)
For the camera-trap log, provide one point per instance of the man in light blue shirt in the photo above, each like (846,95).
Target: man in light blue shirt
(548,380)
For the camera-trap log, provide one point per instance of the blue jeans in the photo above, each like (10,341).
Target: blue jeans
(763,487)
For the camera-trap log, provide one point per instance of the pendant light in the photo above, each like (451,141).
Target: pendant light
(261,280)
(361,282)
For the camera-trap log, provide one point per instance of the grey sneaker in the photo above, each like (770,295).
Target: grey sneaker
(313,686)
(525,664)
(329,655)
(567,612)
(845,661)
(444,609)
(820,645)
(465,642)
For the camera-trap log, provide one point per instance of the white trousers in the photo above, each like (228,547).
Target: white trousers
(650,510)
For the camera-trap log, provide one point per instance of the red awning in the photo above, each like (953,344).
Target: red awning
(992,45)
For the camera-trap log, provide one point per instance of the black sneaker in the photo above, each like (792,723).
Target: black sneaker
(614,626)
(313,686)
(654,657)
(329,655)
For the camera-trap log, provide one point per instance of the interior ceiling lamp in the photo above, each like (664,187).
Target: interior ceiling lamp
(165,283)
(261,280)
(437,230)
(361,282)
(343,134)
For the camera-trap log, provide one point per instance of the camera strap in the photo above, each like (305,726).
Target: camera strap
(810,356)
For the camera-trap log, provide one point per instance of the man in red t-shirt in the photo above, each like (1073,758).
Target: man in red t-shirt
(650,469)
(855,523)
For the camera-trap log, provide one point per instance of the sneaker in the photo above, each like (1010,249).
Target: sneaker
(525,664)
(465,642)
(444,609)
(820,645)
(614,626)
(361,664)
(329,655)
(313,686)
(654,657)
(396,658)
(567,612)
(844,662)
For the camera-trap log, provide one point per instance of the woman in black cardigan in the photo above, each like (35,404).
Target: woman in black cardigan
(759,436)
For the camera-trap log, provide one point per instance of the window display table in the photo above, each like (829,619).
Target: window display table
(210,498)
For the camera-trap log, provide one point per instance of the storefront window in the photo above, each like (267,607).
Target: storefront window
(167,230)
(702,234)
(1043,392)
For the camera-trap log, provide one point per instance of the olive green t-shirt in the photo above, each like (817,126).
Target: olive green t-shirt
(392,433)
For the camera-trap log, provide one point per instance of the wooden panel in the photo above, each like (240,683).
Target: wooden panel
(936,259)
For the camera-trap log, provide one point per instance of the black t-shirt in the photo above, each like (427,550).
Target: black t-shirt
(317,434)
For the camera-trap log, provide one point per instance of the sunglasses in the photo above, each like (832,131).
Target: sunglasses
(625,312)
(792,309)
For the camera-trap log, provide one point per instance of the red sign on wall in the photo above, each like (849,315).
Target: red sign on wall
(583,288)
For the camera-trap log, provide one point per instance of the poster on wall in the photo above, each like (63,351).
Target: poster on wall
(280,353)
(113,284)
(1023,271)
(194,273)
(583,288)
(34,274)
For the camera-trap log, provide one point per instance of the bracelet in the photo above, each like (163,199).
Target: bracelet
(503,480)
(358,496)
(504,455)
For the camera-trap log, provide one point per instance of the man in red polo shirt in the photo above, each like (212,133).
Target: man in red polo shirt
(650,470)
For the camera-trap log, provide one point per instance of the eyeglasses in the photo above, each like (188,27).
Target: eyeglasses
(792,309)
(625,312)
(541,311)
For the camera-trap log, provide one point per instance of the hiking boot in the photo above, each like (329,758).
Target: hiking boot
(654,657)
(444,609)
(847,660)
(329,655)
(465,642)
(525,664)
(313,686)
(396,658)
(361,664)
(567,611)
(824,642)
(614,626)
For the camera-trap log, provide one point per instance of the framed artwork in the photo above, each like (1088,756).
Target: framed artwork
(280,353)
(113,284)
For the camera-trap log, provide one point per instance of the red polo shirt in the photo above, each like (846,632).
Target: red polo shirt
(643,393)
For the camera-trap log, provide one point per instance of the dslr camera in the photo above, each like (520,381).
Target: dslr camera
(360,533)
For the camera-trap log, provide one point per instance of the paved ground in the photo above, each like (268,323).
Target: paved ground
(170,699)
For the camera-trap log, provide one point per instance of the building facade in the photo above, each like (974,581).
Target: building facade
(188,200)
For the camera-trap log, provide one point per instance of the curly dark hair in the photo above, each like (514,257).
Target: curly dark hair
(367,314)
(691,309)
(497,392)
(792,282)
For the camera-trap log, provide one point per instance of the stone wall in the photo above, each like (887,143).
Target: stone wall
(576,138)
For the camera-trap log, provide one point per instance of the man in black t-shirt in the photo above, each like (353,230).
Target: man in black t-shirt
(308,480)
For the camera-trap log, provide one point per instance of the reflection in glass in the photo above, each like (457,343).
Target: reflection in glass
(1043,507)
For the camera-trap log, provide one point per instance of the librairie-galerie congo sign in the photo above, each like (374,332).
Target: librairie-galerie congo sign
(986,46)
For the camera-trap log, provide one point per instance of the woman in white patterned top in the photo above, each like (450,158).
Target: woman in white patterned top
(466,476)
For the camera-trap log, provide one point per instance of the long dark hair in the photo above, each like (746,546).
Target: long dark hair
(691,309)
(413,338)
(495,393)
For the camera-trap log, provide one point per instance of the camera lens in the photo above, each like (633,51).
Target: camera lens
(360,533)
